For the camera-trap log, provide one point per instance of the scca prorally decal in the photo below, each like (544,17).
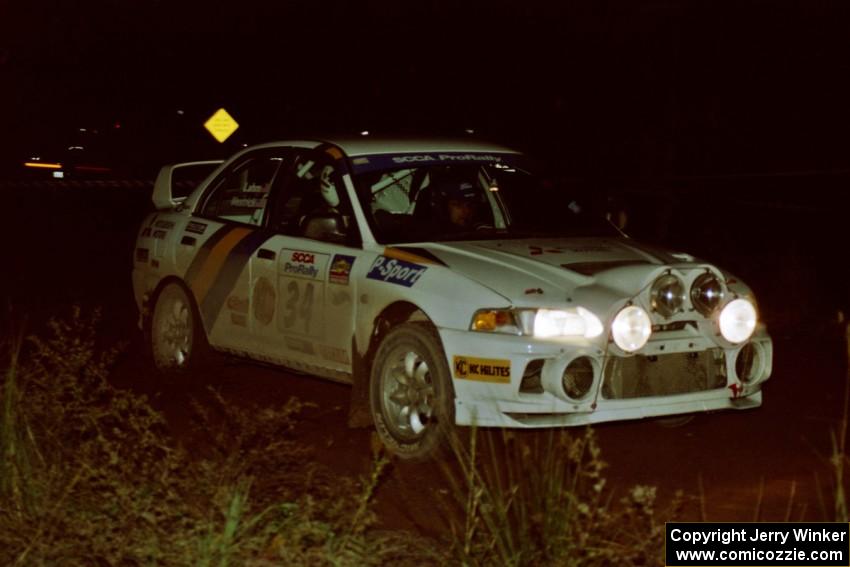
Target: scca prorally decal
(420,158)
(395,271)
(482,369)
(376,162)
(196,227)
(302,264)
(340,270)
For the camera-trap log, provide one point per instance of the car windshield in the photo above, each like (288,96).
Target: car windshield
(464,196)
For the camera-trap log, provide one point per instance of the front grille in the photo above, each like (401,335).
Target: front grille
(674,326)
(642,376)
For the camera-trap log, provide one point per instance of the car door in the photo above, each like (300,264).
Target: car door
(228,228)
(303,295)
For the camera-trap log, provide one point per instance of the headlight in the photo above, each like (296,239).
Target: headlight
(738,320)
(540,323)
(667,295)
(631,328)
(561,323)
(706,293)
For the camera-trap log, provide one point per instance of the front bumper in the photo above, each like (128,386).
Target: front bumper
(496,396)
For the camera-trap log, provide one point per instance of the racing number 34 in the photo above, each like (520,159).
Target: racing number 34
(298,306)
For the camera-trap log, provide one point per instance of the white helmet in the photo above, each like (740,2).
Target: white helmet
(327,188)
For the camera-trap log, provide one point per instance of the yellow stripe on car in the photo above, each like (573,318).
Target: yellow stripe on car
(215,260)
(397,254)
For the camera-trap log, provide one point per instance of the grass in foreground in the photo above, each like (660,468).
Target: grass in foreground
(540,498)
(90,476)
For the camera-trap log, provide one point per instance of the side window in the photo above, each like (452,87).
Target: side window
(313,202)
(242,193)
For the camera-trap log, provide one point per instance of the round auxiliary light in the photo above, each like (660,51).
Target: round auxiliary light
(631,328)
(706,293)
(578,378)
(667,295)
(738,320)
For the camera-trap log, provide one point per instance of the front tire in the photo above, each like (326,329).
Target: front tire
(410,392)
(178,342)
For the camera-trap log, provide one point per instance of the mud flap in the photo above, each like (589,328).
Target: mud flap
(359,415)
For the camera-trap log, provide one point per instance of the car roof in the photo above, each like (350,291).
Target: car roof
(372,145)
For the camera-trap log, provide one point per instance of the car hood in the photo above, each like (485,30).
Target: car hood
(545,271)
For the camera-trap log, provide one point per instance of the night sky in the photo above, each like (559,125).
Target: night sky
(647,89)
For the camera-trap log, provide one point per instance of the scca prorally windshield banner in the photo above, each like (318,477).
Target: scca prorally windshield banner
(363,164)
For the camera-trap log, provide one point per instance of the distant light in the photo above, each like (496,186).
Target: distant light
(180,111)
(58,174)
(76,148)
(469,131)
(35,158)
(117,125)
(364,133)
(82,129)
(43,165)
(494,188)
(244,145)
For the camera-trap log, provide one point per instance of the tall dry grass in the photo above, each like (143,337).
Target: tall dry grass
(90,475)
(541,498)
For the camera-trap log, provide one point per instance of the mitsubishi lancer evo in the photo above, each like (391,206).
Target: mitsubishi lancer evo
(446,282)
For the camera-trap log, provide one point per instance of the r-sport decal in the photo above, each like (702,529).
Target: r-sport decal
(395,271)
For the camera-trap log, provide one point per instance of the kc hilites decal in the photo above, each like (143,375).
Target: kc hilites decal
(341,269)
(483,369)
(395,271)
(303,264)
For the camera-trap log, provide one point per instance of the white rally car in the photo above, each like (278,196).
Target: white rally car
(447,284)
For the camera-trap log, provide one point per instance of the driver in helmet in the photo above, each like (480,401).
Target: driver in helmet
(328,189)
(459,205)
(326,221)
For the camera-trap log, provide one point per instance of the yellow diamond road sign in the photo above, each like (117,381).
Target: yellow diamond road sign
(221,125)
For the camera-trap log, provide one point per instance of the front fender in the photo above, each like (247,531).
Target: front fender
(448,299)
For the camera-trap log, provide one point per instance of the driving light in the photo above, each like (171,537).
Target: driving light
(738,320)
(667,295)
(561,323)
(706,293)
(631,328)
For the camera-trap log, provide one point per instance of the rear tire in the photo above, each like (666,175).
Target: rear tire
(177,339)
(410,392)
